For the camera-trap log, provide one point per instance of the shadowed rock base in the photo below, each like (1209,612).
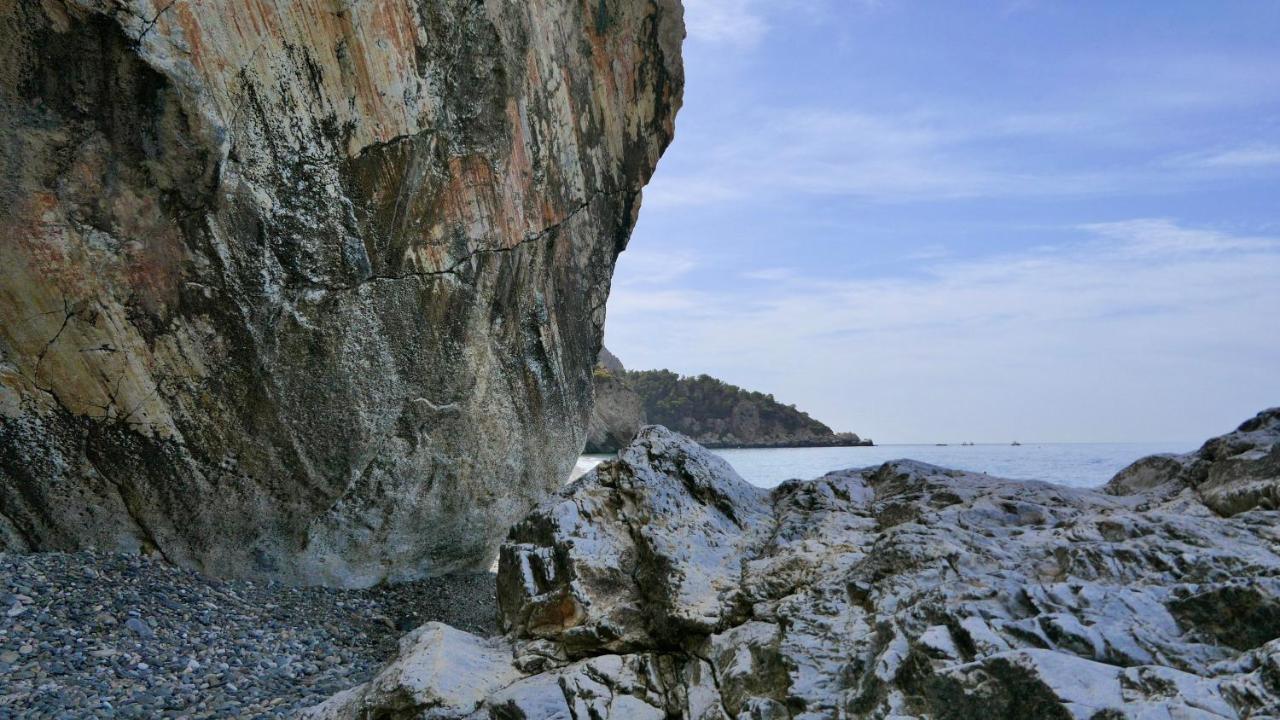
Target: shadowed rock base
(661,585)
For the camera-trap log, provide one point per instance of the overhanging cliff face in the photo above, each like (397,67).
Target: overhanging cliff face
(311,289)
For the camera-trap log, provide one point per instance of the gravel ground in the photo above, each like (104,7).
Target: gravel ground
(97,635)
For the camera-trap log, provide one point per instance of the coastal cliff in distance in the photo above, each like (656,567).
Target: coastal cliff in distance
(712,412)
(311,290)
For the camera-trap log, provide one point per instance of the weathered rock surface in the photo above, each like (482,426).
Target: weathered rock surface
(661,585)
(618,412)
(1231,473)
(311,289)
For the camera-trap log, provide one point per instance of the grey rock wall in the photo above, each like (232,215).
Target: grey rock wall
(311,289)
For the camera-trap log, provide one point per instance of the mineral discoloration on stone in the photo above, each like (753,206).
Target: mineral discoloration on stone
(311,290)
(906,590)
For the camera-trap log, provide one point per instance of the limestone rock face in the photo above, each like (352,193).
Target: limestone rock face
(663,585)
(445,671)
(311,289)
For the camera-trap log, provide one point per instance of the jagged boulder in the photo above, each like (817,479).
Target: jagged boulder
(311,290)
(439,672)
(1231,473)
(663,584)
(638,553)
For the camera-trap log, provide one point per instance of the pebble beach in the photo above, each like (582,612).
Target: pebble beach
(98,635)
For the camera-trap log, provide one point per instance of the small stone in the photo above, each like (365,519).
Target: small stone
(140,627)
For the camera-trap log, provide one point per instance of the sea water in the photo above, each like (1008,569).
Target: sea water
(1075,464)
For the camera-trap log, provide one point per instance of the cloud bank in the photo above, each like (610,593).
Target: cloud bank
(1130,324)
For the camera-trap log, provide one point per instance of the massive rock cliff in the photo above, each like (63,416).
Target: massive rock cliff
(311,289)
(717,414)
(661,585)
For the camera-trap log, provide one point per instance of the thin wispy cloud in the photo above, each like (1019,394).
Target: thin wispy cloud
(1253,156)
(646,266)
(770,274)
(1094,317)
(1055,220)
(1162,236)
(732,22)
(871,157)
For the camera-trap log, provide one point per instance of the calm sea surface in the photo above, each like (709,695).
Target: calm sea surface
(1077,464)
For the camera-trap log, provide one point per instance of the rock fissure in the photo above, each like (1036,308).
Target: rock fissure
(453,267)
(67,315)
(150,24)
(134,517)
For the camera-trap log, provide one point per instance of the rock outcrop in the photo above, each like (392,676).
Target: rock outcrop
(661,585)
(1231,473)
(712,412)
(618,412)
(311,289)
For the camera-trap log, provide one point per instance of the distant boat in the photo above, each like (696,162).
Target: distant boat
(939,444)
(1017,444)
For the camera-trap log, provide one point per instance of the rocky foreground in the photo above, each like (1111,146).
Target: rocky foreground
(662,585)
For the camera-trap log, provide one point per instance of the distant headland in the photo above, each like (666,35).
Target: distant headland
(714,413)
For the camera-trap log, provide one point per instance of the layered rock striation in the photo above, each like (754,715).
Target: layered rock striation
(661,585)
(306,289)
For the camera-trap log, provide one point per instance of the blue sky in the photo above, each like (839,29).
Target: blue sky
(943,221)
